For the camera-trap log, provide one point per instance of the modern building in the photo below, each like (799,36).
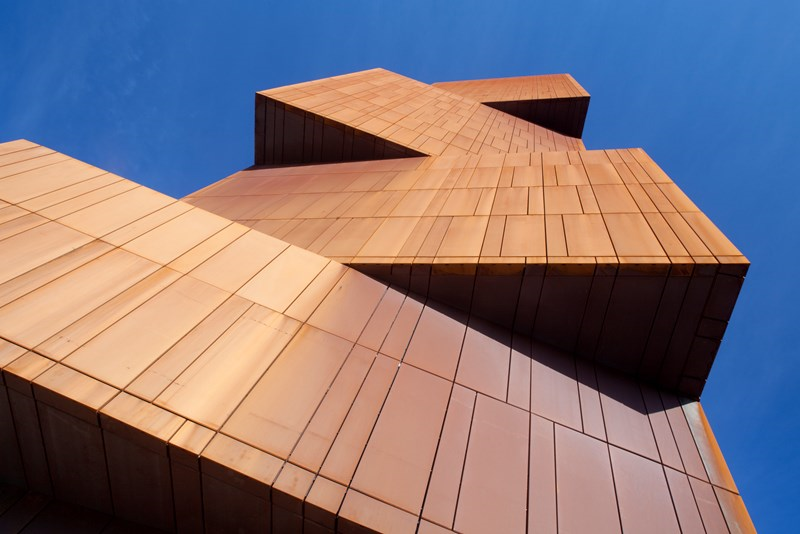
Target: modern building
(425,308)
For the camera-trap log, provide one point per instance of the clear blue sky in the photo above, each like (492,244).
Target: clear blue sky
(161,92)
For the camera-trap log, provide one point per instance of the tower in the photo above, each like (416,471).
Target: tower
(425,308)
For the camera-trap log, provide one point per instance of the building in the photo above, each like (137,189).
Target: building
(426,308)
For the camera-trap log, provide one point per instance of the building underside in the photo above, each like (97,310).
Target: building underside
(426,308)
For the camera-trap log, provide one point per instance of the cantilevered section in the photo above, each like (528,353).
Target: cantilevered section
(180,370)
(555,101)
(378,114)
(596,252)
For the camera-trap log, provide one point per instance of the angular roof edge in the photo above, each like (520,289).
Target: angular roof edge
(555,101)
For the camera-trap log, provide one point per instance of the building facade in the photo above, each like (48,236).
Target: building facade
(426,308)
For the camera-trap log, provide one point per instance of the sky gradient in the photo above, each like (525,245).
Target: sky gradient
(162,93)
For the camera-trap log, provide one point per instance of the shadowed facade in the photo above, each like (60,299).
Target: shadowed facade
(481,327)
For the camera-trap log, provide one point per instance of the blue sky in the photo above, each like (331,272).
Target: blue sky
(161,92)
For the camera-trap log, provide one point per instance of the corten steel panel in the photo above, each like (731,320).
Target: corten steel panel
(237,415)
(644,497)
(442,495)
(586,494)
(635,278)
(76,458)
(494,482)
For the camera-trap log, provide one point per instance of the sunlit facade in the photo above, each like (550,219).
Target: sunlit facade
(425,308)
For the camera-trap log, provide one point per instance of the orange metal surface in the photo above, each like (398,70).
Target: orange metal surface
(200,373)
(378,114)
(555,101)
(619,244)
